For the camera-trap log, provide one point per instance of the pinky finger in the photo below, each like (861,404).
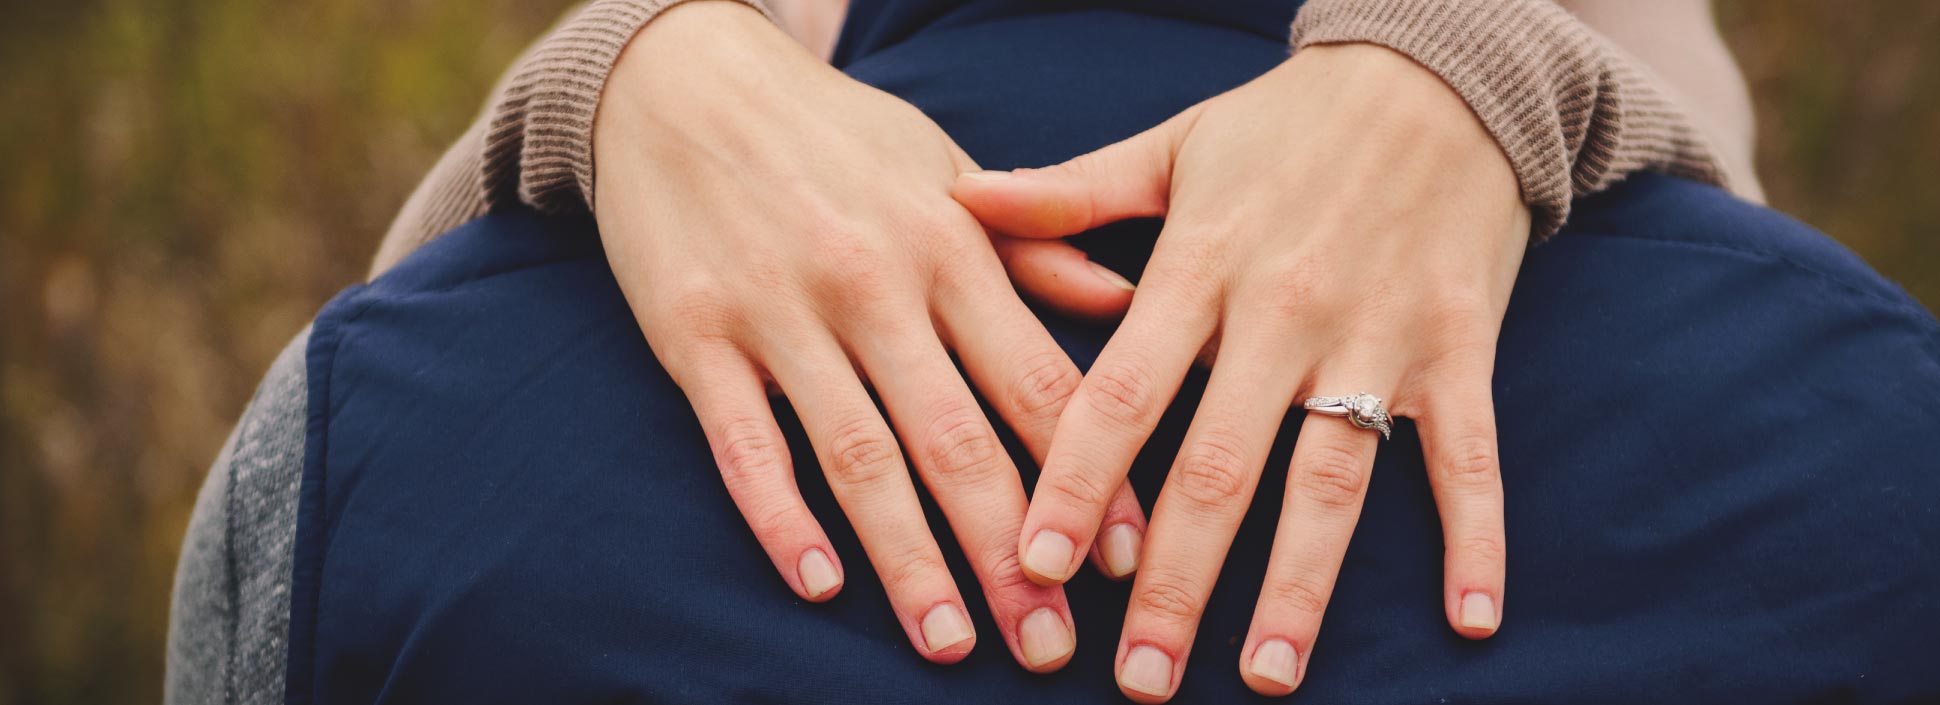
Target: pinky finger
(1458,438)
(731,401)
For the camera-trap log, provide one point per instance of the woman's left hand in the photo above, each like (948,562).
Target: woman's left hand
(1341,224)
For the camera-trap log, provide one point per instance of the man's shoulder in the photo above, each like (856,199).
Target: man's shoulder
(230,623)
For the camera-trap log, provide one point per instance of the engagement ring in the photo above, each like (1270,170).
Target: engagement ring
(1363,410)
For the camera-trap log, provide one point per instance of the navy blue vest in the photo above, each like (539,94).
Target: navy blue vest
(1720,436)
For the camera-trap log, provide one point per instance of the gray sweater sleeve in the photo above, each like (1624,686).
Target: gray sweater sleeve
(230,622)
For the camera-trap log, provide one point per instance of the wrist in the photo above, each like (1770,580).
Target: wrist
(1414,137)
(697,48)
(1394,99)
(698,62)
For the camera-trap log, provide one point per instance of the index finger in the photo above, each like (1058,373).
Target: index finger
(1106,423)
(1011,357)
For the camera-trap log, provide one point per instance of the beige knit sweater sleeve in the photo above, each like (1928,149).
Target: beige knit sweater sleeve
(1571,111)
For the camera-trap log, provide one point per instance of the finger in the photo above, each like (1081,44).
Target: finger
(1115,553)
(1106,423)
(967,470)
(1062,277)
(865,471)
(1205,497)
(1029,379)
(727,394)
(1326,485)
(1458,439)
(1127,179)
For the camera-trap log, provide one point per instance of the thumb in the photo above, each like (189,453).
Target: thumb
(1128,179)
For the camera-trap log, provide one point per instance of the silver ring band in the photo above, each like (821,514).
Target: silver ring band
(1363,410)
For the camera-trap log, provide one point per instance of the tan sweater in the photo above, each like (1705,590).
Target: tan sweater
(1571,111)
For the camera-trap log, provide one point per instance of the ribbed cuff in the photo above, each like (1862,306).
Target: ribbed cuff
(539,147)
(1572,113)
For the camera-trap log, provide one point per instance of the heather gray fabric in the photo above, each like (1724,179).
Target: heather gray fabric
(231,618)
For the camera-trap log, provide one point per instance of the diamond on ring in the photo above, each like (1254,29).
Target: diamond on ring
(1363,410)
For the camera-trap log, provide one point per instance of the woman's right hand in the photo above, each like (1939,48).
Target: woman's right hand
(772,221)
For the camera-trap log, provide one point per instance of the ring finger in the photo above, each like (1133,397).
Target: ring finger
(1326,484)
(968,471)
(866,473)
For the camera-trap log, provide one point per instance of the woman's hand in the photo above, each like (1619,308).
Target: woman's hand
(772,221)
(1342,224)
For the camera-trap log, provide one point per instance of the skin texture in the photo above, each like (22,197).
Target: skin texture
(777,225)
(1285,274)
(1363,239)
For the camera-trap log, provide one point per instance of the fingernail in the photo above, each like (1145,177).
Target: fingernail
(1115,278)
(986,175)
(1049,555)
(1478,611)
(817,571)
(1044,637)
(1147,670)
(945,626)
(1121,550)
(1275,661)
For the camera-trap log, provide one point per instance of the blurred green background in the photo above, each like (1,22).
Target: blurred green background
(186,182)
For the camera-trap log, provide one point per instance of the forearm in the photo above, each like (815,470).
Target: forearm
(1679,41)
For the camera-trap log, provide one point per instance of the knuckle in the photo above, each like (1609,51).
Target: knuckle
(704,311)
(1459,305)
(954,270)
(1295,293)
(961,446)
(1005,584)
(1461,323)
(1332,475)
(1080,489)
(852,268)
(747,451)
(1485,549)
(912,566)
(1299,594)
(1123,392)
(949,234)
(861,453)
(1192,275)
(1170,599)
(773,517)
(769,274)
(1048,381)
(1378,314)
(1200,245)
(1212,472)
(1470,462)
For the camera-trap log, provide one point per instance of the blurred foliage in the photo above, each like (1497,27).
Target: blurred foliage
(1848,102)
(186,182)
